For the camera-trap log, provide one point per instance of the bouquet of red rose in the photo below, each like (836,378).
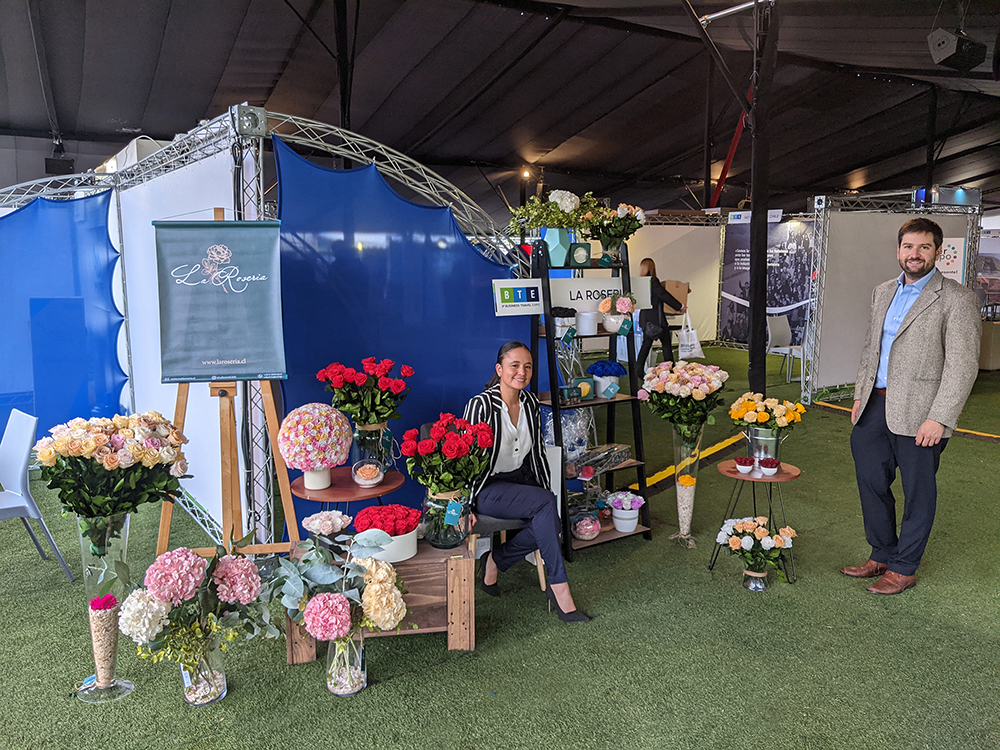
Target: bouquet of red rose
(370,395)
(447,463)
(394,520)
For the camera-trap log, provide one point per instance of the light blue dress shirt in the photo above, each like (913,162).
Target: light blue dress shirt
(906,295)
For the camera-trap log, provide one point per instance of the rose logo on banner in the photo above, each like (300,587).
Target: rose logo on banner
(219,274)
(214,257)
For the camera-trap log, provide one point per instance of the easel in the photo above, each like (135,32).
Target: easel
(232,512)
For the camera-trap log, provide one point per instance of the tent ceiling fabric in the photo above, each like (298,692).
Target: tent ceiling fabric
(606,96)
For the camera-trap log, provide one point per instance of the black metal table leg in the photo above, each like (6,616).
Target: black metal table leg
(734,498)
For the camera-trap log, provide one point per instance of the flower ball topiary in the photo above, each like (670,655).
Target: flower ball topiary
(314,437)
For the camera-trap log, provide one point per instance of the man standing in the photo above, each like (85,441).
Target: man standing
(920,361)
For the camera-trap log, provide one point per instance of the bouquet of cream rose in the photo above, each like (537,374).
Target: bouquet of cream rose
(752,409)
(683,393)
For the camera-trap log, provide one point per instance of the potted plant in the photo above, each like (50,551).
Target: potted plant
(371,396)
(611,227)
(684,394)
(103,469)
(560,213)
(399,522)
(605,372)
(189,612)
(447,463)
(757,547)
(314,438)
(625,510)
(335,595)
(766,422)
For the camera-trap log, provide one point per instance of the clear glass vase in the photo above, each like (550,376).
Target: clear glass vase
(687,454)
(373,441)
(104,686)
(205,682)
(756,580)
(103,539)
(446,519)
(346,672)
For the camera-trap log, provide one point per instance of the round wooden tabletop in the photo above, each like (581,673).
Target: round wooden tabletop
(786,473)
(343,488)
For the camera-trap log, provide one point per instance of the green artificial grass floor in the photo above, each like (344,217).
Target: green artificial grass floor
(676,656)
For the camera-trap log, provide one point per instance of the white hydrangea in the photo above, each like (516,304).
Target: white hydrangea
(566,200)
(142,617)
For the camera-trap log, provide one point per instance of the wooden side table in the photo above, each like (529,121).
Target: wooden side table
(343,488)
(786,473)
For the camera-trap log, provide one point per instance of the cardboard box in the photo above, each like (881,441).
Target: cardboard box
(679,290)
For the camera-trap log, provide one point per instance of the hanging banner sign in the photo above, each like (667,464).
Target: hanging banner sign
(219,286)
(743,217)
(517,297)
(951,264)
(586,294)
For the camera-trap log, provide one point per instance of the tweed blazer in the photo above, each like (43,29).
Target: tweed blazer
(934,358)
(488,407)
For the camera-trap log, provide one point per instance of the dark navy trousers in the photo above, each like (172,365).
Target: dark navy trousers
(515,495)
(877,454)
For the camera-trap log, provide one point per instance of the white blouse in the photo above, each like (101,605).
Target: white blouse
(515,442)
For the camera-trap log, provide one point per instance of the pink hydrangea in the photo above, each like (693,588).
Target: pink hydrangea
(238,579)
(327,617)
(175,575)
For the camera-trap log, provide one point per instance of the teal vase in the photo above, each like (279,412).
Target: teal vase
(558,242)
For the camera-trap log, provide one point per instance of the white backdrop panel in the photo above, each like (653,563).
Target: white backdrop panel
(190,193)
(861,254)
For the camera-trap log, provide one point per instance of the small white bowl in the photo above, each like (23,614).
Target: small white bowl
(769,472)
(744,469)
(362,482)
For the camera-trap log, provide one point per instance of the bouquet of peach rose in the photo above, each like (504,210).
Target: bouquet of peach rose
(752,409)
(758,548)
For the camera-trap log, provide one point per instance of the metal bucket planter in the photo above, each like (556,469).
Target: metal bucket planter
(762,443)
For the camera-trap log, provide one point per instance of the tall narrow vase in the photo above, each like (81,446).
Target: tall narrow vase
(205,682)
(103,540)
(104,686)
(687,454)
(373,441)
(346,671)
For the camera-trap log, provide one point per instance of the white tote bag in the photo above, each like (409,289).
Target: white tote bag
(688,346)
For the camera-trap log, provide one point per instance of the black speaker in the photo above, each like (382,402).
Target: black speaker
(59,167)
(955,50)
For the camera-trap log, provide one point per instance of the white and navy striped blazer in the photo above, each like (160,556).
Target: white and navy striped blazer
(488,407)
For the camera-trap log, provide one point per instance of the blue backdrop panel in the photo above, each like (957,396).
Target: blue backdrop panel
(59,323)
(365,272)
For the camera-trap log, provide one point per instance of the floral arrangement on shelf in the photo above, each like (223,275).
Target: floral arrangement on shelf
(561,210)
(757,547)
(625,500)
(605,368)
(394,520)
(619,303)
(326,523)
(683,393)
(767,413)
(314,437)
(612,227)
(370,395)
(103,467)
(190,607)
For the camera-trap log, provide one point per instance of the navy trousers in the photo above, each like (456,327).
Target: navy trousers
(877,454)
(515,495)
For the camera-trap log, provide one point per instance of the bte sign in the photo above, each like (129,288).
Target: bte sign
(517,296)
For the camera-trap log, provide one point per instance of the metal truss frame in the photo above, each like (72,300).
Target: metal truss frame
(889,203)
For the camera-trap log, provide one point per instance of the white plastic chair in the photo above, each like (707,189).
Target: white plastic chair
(779,340)
(15,498)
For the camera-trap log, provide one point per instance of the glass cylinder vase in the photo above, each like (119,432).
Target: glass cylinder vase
(372,441)
(346,671)
(687,455)
(205,681)
(446,519)
(103,540)
(755,580)
(104,686)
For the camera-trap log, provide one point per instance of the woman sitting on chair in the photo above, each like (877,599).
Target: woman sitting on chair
(515,485)
(653,322)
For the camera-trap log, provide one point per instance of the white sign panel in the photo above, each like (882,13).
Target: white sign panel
(586,294)
(517,297)
(952,261)
(743,217)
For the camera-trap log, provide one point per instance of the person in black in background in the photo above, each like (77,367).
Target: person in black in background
(653,322)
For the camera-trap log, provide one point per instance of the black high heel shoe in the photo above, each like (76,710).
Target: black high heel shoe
(575,616)
(493,589)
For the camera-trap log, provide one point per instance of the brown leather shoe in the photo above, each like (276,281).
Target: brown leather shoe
(893,583)
(870,569)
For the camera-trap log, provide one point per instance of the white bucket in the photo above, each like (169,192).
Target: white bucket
(586,323)
(402,547)
(625,520)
